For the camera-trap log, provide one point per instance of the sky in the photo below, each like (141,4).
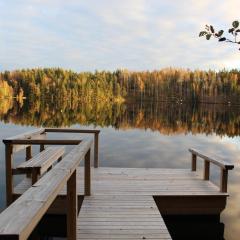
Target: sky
(88,35)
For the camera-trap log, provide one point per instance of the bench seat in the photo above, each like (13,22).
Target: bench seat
(41,162)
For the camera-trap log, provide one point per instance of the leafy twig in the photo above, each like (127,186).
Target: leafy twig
(211,32)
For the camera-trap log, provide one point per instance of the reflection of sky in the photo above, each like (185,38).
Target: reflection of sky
(139,148)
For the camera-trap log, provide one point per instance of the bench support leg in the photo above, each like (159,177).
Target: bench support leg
(34,176)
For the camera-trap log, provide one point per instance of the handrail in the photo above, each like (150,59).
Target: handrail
(38,137)
(225,166)
(27,134)
(20,218)
(76,130)
(42,131)
(43,141)
(72,130)
(219,162)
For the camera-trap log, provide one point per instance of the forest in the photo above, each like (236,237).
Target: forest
(170,84)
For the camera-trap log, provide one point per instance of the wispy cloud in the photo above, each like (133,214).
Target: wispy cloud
(136,34)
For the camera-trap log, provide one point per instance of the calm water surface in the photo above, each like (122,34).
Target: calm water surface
(143,135)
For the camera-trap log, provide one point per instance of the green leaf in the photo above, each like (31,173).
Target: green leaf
(208,36)
(220,33)
(231,30)
(202,33)
(235,24)
(222,39)
(211,28)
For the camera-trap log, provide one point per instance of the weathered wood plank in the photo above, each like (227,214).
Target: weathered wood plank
(36,134)
(25,135)
(223,180)
(9,177)
(19,220)
(71,130)
(43,160)
(96,145)
(72,207)
(215,160)
(46,141)
(87,174)
(118,221)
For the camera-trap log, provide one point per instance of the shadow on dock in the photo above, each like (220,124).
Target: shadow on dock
(53,227)
(194,227)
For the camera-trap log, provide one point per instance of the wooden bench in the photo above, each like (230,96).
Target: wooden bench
(224,166)
(41,162)
(19,220)
(25,142)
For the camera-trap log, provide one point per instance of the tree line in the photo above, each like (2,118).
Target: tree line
(168,84)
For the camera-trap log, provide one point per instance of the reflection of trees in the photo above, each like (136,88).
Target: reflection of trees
(5,105)
(157,116)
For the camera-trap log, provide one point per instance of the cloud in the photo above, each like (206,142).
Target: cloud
(136,34)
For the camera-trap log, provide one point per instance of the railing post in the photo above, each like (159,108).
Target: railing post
(223,180)
(206,170)
(28,156)
(42,147)
(96,144)
(72,207)
(28,153)
(9,177)
(87,174)
(194,162)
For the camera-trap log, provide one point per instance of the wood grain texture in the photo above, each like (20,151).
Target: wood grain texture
(21,217)
(96,146)
(9,177)
(206,170)
(72,207)
(71,130)
(87,174)
(112,220)
(194,162)
(213,159)
(42,161)
(25,135)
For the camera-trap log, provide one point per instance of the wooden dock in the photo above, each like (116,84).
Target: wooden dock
(120,217)
(122,204)
(118,203)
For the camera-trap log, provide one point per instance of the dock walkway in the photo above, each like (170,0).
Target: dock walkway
(120,217)
(114,203)
(122,204)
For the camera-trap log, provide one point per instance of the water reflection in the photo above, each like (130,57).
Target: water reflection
(166,118)
(147,134)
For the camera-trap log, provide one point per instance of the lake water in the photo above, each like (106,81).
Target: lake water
(142,134)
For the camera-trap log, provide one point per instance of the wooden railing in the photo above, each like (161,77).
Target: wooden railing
(19,220)
(224,166)
(39,137)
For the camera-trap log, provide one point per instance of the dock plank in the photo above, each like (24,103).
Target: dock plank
(122,204)
(116,221)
